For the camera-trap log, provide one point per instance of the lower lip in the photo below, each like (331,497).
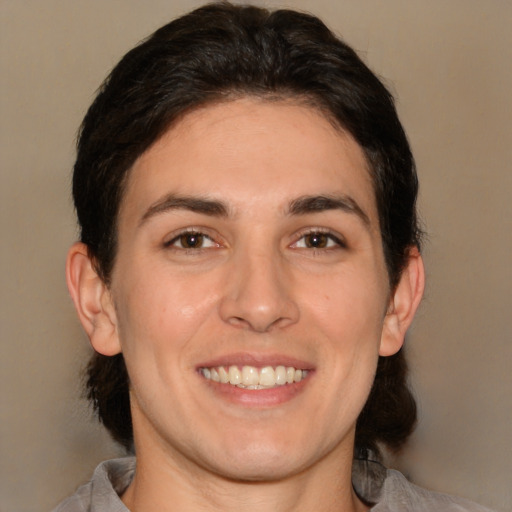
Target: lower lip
(258,397)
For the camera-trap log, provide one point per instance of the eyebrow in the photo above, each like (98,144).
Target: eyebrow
(300,206)
(313,204)
(191,203)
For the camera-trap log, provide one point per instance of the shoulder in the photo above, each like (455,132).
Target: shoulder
(400,495)
(102,492)
(78,502)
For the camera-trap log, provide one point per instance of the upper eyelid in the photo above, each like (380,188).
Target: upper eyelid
(325,231)
(175,235)
(217,238)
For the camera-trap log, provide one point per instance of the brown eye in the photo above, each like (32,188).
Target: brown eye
(316,240)
(191,240)
(319,240)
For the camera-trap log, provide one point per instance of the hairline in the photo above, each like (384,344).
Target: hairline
(292,98)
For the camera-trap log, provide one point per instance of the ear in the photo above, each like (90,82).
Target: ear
(92,300)
(403,304)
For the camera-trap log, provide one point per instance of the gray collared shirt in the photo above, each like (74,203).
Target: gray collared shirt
(388,489)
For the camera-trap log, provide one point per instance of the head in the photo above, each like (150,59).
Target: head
(213,56)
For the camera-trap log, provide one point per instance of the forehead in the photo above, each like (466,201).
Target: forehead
(249,153)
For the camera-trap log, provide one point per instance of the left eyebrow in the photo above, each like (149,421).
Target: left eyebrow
(312,204)
(195,204)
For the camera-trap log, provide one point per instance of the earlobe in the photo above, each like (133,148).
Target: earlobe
(403,304)
(93,301)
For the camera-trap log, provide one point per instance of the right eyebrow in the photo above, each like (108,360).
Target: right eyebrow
(195,204)
(311,204)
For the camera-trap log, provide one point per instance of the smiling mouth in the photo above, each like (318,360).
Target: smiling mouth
(251,377)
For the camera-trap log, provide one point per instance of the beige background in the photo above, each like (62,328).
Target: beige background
(449,63)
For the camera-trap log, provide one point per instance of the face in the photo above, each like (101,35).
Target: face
(250,290)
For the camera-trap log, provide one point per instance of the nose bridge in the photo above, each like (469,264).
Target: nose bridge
(259,294)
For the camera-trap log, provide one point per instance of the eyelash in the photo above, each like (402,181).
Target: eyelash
(171,244)
(329,241)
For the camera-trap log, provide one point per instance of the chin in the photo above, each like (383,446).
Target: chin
(260,469)
(258,461)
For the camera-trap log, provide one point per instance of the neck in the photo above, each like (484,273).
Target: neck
(173,483)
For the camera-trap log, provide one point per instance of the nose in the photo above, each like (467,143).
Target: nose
(259,295)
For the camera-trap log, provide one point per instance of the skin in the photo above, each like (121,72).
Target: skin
(252,291)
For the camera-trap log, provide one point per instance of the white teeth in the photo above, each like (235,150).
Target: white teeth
(235,375)
(223,374)
(267,376)
(251,377)
(280,375)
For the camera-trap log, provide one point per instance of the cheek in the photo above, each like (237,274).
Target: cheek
(350,318)
(351,306)
(160,313)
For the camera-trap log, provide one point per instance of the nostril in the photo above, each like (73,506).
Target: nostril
(258,303)
(238,321)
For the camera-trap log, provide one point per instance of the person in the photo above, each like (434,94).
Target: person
(248,266)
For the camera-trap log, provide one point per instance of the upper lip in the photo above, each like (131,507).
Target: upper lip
(258,360)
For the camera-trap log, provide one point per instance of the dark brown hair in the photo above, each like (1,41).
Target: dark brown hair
(217,53)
